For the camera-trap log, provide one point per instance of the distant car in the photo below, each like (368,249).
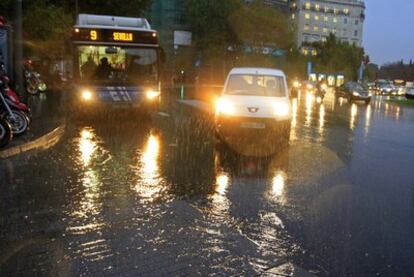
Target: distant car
(404,89)
(354,91)
(410,93)
(387,89)
(254,103)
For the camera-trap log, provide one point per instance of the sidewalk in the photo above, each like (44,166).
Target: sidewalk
(48,124)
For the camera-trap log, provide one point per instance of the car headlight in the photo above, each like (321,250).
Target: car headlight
(152,94)
(87,95)
(281,109)
(355,93)
(224,106)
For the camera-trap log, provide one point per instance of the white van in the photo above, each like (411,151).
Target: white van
(254,103)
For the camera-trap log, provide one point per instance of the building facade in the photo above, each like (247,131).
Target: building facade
(316,19)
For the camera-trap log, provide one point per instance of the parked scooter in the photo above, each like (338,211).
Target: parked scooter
(17,118)
(6,133)
(11,97)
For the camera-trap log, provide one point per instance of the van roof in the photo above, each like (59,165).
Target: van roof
(257,70)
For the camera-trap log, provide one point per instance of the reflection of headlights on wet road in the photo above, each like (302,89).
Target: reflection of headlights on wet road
(318,100)
(152,94)
(281,109)
(224,106)
(355,93)
(87,95)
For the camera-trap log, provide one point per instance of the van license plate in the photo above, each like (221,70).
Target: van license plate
(253,125)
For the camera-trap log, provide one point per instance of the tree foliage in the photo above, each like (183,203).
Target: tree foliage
(217,24)
(257,24)
(209,21)
(337,56)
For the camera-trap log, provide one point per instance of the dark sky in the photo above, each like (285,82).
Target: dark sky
(388,33)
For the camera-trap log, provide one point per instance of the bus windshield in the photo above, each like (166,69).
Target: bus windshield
(116,65)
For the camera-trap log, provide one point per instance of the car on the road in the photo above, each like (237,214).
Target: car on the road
(353,91)
(410,93)
(254,105)
(387,89)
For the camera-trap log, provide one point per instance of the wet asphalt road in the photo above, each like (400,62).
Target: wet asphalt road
(156,196)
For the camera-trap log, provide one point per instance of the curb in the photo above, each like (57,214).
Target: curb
(43,142)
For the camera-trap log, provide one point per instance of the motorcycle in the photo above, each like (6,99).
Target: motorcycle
(6,133)
(11,97)
(34,84)
(17,118)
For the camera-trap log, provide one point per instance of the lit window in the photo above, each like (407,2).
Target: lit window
(293,16)
(307,5)
(323,39)
(316,28)
(346,11)
(307,16)
(335,20)
(314,52)
(317,7)
(325,30)
(316,17)
(326,9)
(305,52)
(334,31)
(306,27)
(335,11)
(326,19)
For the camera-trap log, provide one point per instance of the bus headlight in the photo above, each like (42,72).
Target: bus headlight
(281,109)
(224,106)
(152,94)
(87,95)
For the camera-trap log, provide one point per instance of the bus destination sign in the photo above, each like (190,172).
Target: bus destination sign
(119,36)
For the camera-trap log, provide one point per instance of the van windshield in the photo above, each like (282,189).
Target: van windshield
(256,85)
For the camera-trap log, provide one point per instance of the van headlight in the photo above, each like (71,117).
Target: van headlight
(224,106)
(281,109)
(87,95)
(152,94)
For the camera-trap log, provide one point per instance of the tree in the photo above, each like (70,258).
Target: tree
(113,7)
(233,24)
(209,23)
(257,24)
(337,56)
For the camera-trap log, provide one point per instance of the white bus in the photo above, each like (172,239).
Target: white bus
(116,62)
